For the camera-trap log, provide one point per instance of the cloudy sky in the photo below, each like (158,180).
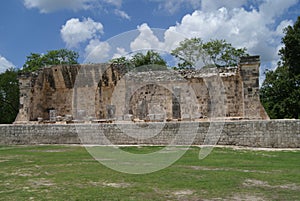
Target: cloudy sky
(101,29)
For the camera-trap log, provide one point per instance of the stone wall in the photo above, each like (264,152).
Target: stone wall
(274,133)
(104,91)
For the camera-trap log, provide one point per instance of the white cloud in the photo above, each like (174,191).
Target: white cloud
(117,3)
(146,39)
(97,51)
(254,29)
(122,14)
(48,6)
(206,5)
(75,32)
(121,52)
(272,8)
(251,29)
(5,64)
(280,28)
(172,6)
(210,5)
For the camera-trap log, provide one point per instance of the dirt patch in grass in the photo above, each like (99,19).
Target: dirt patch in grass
(2,161)
(183,195)
(224,169)
(246,198)
(239,197)
(183,192)
(116,185)
(41,182)
(24,172)
(259,183)
(111,184)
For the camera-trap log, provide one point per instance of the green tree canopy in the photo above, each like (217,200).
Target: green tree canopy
(280,92)
(290,53)
(9,96)
(151,60)
(224,54)
(36,61)
(191,51)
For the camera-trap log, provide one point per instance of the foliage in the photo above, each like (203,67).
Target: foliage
(189,52)
(151,60)
(121,60)
(280,93)
(290,53)
(54,57)
(223,54)
(193,52)
(9,96)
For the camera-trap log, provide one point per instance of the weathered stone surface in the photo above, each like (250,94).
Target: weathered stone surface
(90,91)
(268,134)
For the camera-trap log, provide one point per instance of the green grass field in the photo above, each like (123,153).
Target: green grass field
(70,173)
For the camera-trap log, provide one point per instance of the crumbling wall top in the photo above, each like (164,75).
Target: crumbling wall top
(250,60)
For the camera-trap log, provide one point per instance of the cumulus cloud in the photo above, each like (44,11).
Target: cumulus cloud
(46,6)
(146,39)
(5,64)
(269,9)
(120,52)
(253,29)
(97,51)
(75,31)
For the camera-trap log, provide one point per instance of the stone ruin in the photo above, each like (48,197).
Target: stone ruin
(98,93)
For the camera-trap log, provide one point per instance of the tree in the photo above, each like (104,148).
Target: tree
(142,62)
(149,58)
(189,52)
(9,96)
(221,53)
(290,53)
(280,92)
(54,57)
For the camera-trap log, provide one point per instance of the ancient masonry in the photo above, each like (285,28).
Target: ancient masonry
(103,92)
(72,105)
(252,133)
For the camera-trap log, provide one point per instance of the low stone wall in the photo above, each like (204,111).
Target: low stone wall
(274,133)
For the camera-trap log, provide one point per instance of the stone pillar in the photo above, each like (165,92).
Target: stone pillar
(249,72)
(25,85)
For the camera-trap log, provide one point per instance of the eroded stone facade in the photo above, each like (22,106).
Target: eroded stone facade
(101,91)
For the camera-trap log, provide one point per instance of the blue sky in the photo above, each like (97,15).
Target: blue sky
(87,26)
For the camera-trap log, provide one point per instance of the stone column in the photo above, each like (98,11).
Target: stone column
(249,72)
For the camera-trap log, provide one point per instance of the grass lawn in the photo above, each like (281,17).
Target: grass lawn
(70,173)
